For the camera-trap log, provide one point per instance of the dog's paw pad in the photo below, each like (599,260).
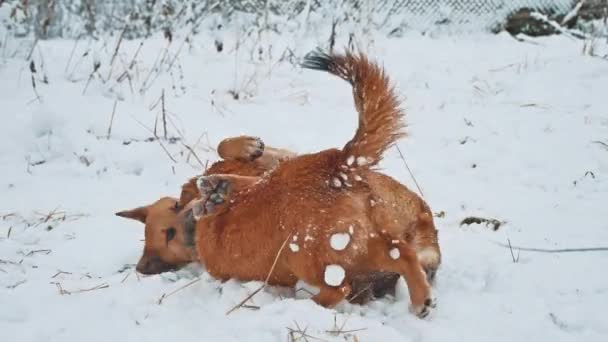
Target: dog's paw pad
(213,190)
(255,148)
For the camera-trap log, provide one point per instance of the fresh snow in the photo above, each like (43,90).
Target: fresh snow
(394,253)
(496,128)
(339,241)
(334,275)
(362,161)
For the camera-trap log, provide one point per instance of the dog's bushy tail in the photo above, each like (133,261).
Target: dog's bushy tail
(380,116)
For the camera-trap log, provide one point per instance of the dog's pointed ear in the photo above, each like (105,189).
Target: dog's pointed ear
(138,214)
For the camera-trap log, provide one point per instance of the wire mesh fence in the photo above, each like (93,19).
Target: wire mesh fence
(73,18)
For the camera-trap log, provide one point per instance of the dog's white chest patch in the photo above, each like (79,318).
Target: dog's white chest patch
(334,275)
(339,241)
(294,247)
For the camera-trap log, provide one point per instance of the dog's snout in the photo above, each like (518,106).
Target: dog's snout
(153,265)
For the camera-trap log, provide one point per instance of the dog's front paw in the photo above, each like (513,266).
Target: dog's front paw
(422,311)
(213,190)
(254,148)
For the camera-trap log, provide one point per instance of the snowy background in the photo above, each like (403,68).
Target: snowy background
(498,128)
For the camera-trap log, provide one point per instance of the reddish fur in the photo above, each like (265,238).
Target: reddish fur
(241,240)
(398,209)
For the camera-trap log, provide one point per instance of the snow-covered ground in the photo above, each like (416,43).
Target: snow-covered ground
(498,128)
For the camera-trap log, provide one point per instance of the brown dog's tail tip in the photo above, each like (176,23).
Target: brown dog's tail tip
(317,60)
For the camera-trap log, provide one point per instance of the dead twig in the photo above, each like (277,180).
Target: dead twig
(167,295)
(263,286)
(164,113)
(515,260)
(601,143)
(45,251)
(556,250)
(63,291)
(409,170)
(192,153)
(13,286)
(302,334)
(159,142)
(59,273)
(33,78)
(118,43)
(96,65)
(112,119)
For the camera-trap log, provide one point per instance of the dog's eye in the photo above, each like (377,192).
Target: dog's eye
(170,234)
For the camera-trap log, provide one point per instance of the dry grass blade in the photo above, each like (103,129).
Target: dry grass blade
(555,250)
(301,334)
(515,260)
(60,272)
(192,153)
(601,143)
(263,286)
(15,285)
(45,251)
(118,43)
(164,113)
(63,291)
(158,140)
(112,119)
(167,295)
(409,170)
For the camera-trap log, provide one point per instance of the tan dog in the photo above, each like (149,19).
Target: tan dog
(169,248)
(322,206)
(169,239)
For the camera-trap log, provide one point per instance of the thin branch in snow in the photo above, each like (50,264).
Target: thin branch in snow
(601,143)
(409,170)
(96,65)
(263,286)
(167,295)
(337,331)
(556,250)
(164,113)
(33,77)
(112,119)
(515,260)
(60,272)
(300,334)
(158,140)
(118,43)
(63,291)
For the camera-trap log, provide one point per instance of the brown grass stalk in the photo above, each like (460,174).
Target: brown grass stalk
(263,286)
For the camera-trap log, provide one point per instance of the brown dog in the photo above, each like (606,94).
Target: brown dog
(169,239)
(169,248)
(322,206)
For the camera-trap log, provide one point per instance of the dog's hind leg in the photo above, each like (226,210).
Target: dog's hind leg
(427,245)
(243,148)
(401,258)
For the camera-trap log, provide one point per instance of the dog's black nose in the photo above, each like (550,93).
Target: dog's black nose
(153,265)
